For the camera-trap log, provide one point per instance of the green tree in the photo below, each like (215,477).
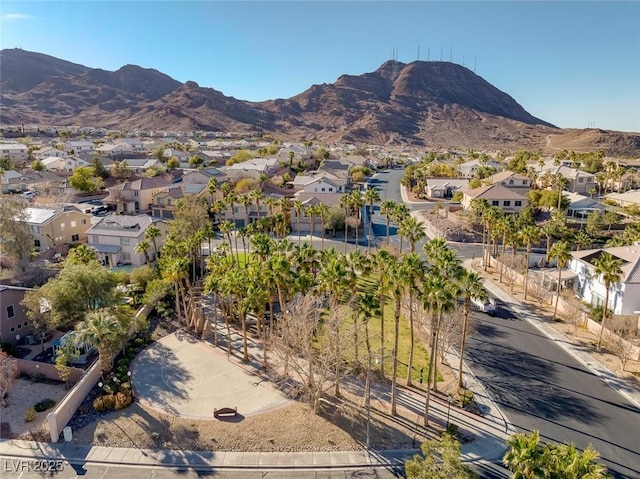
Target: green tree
(143,247)
(81,254)
(439,460)
(153,233)
(37,165)
(121,170)
(386,209)
(84,179)
(609,269)
(562,254)
(526,456)
(100,329)
(16,239)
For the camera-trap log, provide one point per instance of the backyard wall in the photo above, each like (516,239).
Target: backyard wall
(34,368)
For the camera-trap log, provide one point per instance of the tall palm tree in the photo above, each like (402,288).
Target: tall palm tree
(246,201)
(413,231)
(528,235)
(143,247)
(582,240)
(152,233)
(345,204)
(297,207)
(367,307)
(382,260)
(609,269)
(81,254)
(323,212)
(212,188)
(562,254)
(414,269)
(571,463)
(371,196)
(387,208)
(100,329)
(399,279)
(526,457)
(471,286)
(357,202)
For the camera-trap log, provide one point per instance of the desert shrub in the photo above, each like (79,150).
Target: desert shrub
(452,429)
(30,415)
(37,377)
(44,405)
(122,400)
(466,397)
(245,185)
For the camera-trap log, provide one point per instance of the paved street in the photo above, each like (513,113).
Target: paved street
(539,386)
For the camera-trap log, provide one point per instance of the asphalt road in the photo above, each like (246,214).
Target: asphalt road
(541,387)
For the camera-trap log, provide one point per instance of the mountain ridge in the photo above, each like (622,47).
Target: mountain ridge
(436,104)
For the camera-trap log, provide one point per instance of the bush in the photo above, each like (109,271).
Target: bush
(37,377)
(30,415)
(44,405)
(466,397)
(8,348)
(452,429)
(122,400)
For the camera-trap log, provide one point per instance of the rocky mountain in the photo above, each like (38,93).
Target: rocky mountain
(437,104)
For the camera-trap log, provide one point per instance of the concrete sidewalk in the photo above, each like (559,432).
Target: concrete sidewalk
(596,367)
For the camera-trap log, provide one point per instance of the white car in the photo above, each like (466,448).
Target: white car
(488,306)
(29,194)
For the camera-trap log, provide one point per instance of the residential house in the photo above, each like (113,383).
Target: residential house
(14,324)
(202,176)
(579,181)
(321,182)
(445,187)
(511,180)
(79,147)
(629,198)
(46,182)
(164,202)
(140,166)
(64,163)
(10,180)
(47,152)
(57,227)
(469,168)
(136,196)
(624,297)
(175,154)
(16,152)
(580,206)
(508,200)
(115,237)
(308,199)
(253,168)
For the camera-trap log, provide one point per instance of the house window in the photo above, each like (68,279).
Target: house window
(84,222)
(75,237)
(125,241)
(19,326)
(518,203)
(580,180)
(510,182)
(507,203)
(96,239)
(61,226)
(135,193)
(330,189)
(73,224)
(322,188)
(524,182)
(25,324)
(13,329)
(159,201)
(169,202)
(495,203)
(35,230)
(126,256)
(36,243)
(10,311)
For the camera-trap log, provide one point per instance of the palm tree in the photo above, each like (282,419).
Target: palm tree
(570,463)
(381,261)
(526,457)
(143,247)
(151,233)
(471,286)
(345,203)
(367,307)
(371,196)
(562,253)
(582,240)
(297,206)
(323,211)
(357,202)
(100,329)
(414,269)
(528,235)
(609,269)
(399,278)
(81,254)
(387,208)
(413,231)
(212,188)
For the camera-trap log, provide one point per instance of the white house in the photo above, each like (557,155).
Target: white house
(445,187)
(14,151)
(47,152)
(64,163)
(252,168)
(624,297)
(629,198)
(581,206)
(115,237)
(79,147)
(10,180)
(320,182)
(469,168)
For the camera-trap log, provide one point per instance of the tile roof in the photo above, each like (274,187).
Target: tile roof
(494,192)
(630,255)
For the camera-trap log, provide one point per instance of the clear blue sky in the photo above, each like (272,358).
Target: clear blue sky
(573,64)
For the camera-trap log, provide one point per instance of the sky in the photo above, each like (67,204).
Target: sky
(574,64)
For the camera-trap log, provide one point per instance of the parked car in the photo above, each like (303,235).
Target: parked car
(99,210)
(29,194)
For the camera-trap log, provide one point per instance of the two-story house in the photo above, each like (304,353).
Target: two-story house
(14,324)
(253,168)
(508,200)
(321,182)
(578,181)
(140,166)
(303,224)
(164,202)
(445,187)
(47,152)
(624,297)
(57,227)
(16,152)
(136,196)
(511,180)
(468,169)
(64,163)
(114,238)
(79,147)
